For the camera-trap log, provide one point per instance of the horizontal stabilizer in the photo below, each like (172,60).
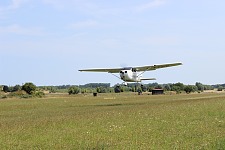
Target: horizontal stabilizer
(148,78)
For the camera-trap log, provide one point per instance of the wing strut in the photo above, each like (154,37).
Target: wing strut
(115,75)
(144,72)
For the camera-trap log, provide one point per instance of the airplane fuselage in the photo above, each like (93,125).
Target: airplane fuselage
(130,75)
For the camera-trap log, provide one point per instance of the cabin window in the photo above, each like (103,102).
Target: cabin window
(134,70)
(125,71)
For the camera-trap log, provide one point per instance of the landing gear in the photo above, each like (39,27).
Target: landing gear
(124,83)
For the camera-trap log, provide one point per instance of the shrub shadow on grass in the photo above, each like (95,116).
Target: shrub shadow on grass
(116,104)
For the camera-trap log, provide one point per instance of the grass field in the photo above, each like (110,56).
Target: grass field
(114,121)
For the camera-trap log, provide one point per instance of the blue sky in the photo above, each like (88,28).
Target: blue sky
(47,41)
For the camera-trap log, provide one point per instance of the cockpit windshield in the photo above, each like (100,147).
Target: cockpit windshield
(127,68)
(134,70)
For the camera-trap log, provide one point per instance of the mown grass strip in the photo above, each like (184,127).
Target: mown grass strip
(195,121)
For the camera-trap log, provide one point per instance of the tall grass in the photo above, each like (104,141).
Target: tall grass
(112,121)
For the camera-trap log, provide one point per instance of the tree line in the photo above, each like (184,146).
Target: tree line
(27,90)
(134,87)
(31,89)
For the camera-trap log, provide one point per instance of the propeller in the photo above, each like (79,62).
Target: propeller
(123,65)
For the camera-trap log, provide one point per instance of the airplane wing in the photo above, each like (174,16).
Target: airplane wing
(109,70)
(154,67)
(144,68)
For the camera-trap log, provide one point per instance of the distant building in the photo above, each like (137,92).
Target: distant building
(157,91)
(95,94)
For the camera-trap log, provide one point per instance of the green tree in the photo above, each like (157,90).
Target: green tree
(117,89)
(180,85)
(190,88)
(150,89)
(101,89)
(29,87)
(220,88)
(208,87)
(139,89)
(73,90)
(52,89)
(158,87)
(143,88)
(16,88)
(5,88)
(167,87)
(133,89)
(176,88)
(83,90)
(200,86)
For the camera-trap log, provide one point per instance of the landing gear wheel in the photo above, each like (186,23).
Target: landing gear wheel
(124,83)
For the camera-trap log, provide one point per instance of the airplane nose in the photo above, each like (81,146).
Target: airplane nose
(122,76)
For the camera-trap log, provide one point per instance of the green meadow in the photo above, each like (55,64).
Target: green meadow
(114,121)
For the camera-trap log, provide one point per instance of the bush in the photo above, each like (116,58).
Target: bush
(150,89)
(39,94)
(16,88)
(5,88)
(29,88)
(117,89)
(4,96)
(220,88)
(101,89)
(143,88)
(190,88)
(73,90)
(26,96)
(17,94)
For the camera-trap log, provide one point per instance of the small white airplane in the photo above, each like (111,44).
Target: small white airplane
(132,74)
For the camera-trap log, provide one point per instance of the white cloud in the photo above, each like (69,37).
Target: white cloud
(16,29)
(150,5)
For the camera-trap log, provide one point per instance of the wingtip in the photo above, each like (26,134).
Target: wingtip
(179,63)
